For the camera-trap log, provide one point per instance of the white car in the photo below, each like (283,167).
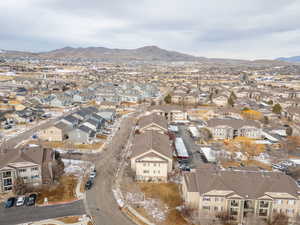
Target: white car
(93,175)
(20,201)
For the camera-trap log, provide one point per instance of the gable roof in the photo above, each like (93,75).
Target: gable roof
(234,123)
(36,155)
(142,143)
(240,182)
(153,118)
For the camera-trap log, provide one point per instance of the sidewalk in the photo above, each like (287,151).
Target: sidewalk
(118,195)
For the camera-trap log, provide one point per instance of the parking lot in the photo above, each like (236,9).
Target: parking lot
(25,214)
(195,159)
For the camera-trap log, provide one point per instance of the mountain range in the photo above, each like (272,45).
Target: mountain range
(292,59)
(147,53)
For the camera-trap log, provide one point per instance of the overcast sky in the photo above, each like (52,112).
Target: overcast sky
(212,28)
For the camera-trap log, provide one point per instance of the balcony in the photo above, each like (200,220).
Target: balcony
(263,212)
(263,204)
(234,203)
(233,212)
(6,174)
(248,206)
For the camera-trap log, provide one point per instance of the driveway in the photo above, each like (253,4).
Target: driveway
(17,215)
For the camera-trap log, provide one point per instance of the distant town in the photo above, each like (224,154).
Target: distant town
(167,139)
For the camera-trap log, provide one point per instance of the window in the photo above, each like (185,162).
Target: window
(279,201)
(206,207)
(35,177)
(291,202)
(25,178)
(22,170)
(144,164)
(34,169)
(7,174)
(146,171)
(263,212)
(216,208)
(153,171)
(289,211)
(206,198)
(234,203)
(263,204)
(7,182)
(154,164)
(158,171)
(216,199)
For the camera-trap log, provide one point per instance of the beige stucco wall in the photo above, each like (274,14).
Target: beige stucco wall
(30,171)
(156,167)
(51,134)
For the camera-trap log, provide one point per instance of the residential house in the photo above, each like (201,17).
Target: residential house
(220,100)
(57,132)
(81,135)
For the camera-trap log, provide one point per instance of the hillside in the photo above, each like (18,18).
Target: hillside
(148,53)
(292,59)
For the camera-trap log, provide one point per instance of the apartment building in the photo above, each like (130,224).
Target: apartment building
(154,122)
(229,128)
(241,193)
(151,158)
(172,113)
(32,164)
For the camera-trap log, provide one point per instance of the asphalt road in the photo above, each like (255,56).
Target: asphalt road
(100,201)
(13,141)
(17,215)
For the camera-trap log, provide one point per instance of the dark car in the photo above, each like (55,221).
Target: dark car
(89,184)
(31,199)
(10,202)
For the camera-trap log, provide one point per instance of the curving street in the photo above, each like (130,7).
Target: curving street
(100,202)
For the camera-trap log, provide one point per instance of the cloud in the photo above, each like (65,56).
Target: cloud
(229,28)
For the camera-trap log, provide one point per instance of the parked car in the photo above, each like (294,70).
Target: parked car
(10,202)
(6,127)
(93,174)
(20,201)
(31,199)
(89,184)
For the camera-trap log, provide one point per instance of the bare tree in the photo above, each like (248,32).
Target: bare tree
(19,187)
(58,167)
